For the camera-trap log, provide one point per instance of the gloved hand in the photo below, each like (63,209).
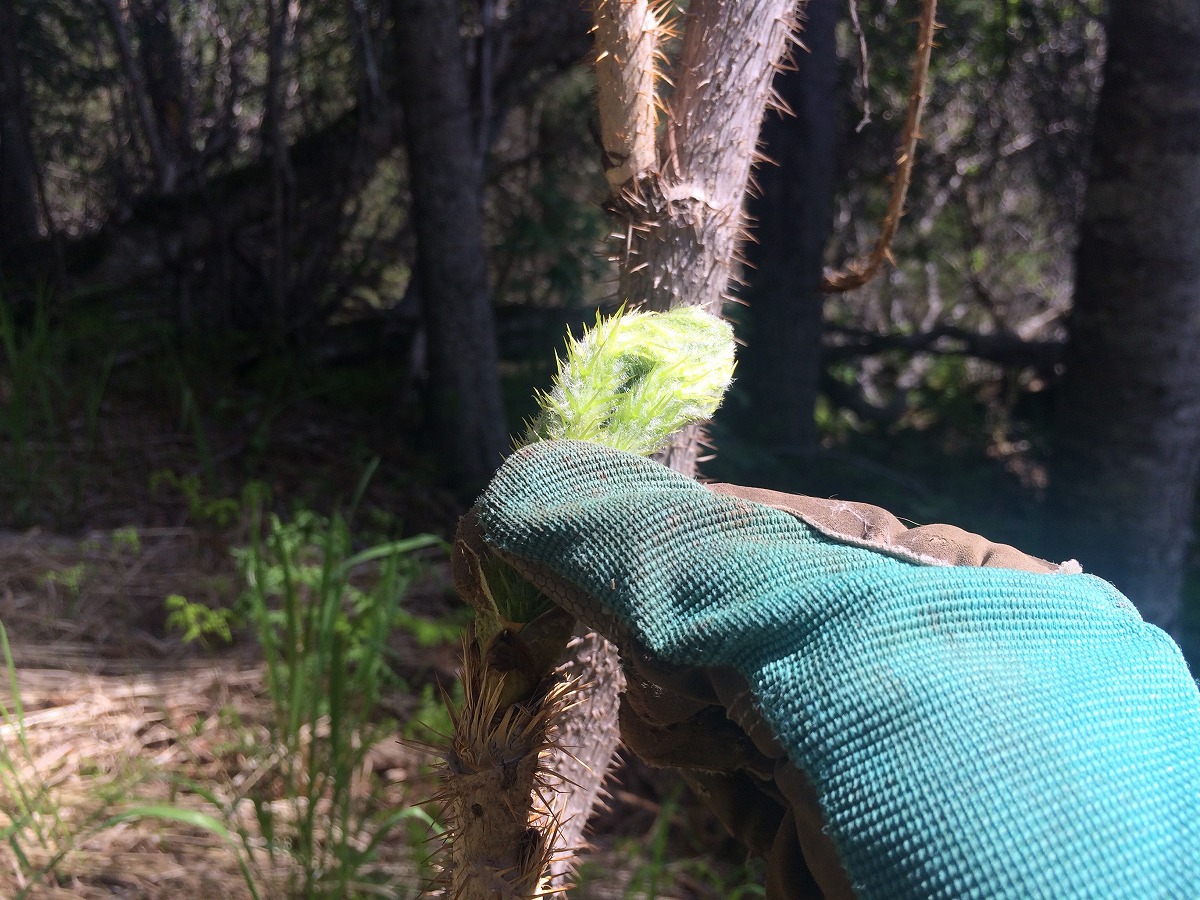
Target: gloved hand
(869,706)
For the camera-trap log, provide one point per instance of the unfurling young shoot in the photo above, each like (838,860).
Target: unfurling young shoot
(636,378)
(629,383)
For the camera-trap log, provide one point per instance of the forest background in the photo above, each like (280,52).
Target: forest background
(262,264)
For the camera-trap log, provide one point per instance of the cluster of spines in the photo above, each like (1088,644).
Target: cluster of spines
(494,767)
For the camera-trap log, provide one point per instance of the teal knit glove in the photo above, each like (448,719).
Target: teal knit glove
(960,731)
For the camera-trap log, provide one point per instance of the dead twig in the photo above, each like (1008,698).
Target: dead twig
(857,273)
(864,67)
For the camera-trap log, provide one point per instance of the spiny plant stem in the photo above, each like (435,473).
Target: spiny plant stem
(538,727)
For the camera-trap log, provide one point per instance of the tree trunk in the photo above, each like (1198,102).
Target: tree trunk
(791,218)
(158,54)
(164,169)
(445,169)
(1127,443)
(18,175)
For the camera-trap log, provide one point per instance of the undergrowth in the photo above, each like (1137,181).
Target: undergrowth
(322,608)
(322,612)
(47,417)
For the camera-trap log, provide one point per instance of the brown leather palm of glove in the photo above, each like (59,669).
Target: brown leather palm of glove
(704,721)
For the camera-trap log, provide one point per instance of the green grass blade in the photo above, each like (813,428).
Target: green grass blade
(393,548)
(361,488)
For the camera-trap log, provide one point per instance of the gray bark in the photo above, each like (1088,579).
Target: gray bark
(1127,444)
(164,168)
(791,221)
(687,220)
(684,218)
(463,388)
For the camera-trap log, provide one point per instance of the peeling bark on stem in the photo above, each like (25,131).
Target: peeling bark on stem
(627,39)
(682,218)
(685,219)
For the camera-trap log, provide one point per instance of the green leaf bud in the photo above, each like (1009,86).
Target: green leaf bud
(638,377)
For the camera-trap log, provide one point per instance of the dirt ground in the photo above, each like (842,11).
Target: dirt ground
(116,712)
(119,713)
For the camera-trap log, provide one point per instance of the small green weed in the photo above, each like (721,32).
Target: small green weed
(322,614)
(197,622)
(219,512)
(71,578)
(126,540)
(322,611)
(324,641)
(28,815)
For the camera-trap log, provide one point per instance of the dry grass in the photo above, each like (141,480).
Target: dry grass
(117,714)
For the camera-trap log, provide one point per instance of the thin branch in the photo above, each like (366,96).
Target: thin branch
(137,85)
(949,340)
(853,398)
(859,272)
(275,147)
(864,66)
